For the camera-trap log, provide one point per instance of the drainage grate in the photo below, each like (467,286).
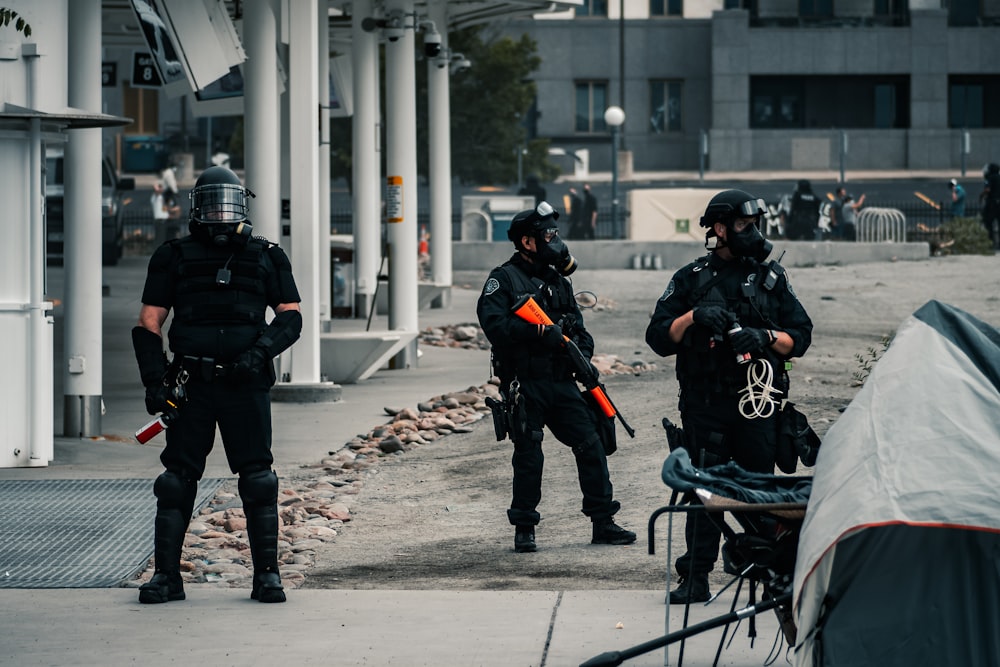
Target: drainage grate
(78,533)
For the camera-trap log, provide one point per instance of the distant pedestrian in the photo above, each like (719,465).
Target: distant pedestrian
(957,199)
(844,214)
(589,222)
(574,209)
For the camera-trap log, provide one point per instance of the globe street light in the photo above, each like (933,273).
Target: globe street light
(614,117)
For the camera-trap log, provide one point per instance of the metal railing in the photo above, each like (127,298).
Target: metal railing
(922,222)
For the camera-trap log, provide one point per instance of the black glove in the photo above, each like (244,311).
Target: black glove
(714,318)
(157,396)
(750,340)
(251,363)
(552,337)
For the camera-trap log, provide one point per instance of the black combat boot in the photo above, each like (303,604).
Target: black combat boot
(524,539)
(691,590)
(262,529)
(606,531)
(166,584)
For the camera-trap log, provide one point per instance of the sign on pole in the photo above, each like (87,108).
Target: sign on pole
(394,199)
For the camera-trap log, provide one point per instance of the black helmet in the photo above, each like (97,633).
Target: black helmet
(991,168)
(218,197)
(731,204)
(532,222)
(219,208)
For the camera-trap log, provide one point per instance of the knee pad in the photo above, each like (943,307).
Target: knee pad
(174,491)
(259,487)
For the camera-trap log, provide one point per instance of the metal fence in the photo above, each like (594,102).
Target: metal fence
(922,222)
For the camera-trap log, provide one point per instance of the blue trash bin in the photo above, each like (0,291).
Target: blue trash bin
(144,154)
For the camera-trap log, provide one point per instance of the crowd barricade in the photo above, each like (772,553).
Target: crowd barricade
(879,225)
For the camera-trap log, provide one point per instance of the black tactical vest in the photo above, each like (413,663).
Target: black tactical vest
(556,299)
(220,285)
(709,366)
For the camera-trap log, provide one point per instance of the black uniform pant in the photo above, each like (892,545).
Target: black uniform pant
(243,414)
(991,219)
(716,428)
(558,405)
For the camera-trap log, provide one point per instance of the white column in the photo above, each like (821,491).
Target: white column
(401,161)
(82,360)
(303,104)
(262,137)
(439,153)
(323,81)
(367,199)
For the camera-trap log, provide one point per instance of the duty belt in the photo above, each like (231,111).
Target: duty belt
(204,368)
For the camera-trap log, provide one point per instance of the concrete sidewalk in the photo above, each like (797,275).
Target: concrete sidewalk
(346,627)
(340,627)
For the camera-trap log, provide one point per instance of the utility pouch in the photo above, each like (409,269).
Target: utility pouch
(605,425)
(499,410)
(797,441)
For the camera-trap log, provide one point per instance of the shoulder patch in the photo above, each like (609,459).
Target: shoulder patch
(492,285)
(669,291)
(788,284)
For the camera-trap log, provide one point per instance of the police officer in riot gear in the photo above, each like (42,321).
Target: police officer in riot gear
(989,199)
(536,379)
(219,281)
(803,218)
(714,312)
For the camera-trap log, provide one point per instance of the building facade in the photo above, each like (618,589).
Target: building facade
(773,84)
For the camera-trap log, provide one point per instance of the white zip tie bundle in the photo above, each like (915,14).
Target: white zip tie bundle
(757,398)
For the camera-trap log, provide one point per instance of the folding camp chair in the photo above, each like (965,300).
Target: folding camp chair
(761,555)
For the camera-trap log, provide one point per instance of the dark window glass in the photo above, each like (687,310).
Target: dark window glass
(665,106)
(973,101)
(591,101)
(829,101)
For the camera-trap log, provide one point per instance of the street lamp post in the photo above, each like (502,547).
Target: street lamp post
(614,117)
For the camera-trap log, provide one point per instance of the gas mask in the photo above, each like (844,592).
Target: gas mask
(748,243)
(222,234)
(555,253)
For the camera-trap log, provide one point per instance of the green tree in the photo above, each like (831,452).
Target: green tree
(488,103)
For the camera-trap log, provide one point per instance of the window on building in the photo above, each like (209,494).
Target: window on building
(829,101)
(891,12)
(665,106)
(973,101)
(815,9)
(591,101)
(592,8)
(963,12)
(666,7)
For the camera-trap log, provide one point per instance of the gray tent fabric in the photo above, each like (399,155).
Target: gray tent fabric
(899,555)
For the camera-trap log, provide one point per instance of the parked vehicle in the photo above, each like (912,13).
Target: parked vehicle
(112,208)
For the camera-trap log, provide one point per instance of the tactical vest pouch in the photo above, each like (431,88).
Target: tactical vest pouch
(797,441)
(605,425)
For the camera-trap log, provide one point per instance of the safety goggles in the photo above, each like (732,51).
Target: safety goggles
(548,234)
(752,208)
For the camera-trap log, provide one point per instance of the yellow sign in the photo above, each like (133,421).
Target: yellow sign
(394,199)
